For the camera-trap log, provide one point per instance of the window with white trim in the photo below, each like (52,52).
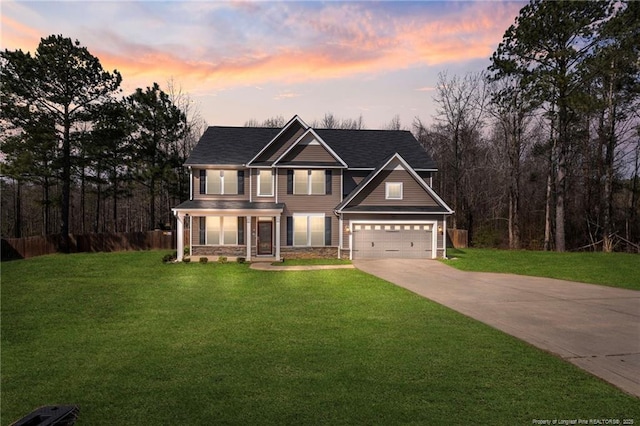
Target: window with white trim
(265,182)
(222,230)
(309,182)
(222,182)
(309,229)
(393,190)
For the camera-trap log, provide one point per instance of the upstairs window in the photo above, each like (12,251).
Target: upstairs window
(393,190)
(265,182)
(309,182)
(222,182)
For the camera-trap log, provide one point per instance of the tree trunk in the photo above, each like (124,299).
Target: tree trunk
(83,200)
(560,205)
(115,203)
(46,208)
(547,209)
(560,155)
(66,182)
(152,204)
(96,223)
(514,219)
(18,209)
(610,134)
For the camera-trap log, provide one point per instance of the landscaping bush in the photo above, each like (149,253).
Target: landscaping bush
(241,260)
(222,259)
(186,259)
(203,260)
(169,257)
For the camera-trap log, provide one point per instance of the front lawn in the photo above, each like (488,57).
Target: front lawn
(611,269)
(134,341)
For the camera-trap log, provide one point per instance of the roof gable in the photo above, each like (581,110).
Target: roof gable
(280,142)
(309,149)
(369,194)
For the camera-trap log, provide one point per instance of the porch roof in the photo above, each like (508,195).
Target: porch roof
(232,206)
(396,209)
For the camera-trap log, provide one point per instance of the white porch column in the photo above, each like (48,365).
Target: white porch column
(277,237)
(180,236)
(444,235)
(340,236)
(247,238)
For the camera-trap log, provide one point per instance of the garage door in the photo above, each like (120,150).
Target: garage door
(406,241)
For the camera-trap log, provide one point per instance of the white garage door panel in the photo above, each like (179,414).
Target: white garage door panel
(392,241)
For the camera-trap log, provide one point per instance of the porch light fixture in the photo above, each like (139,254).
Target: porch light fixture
(347,229)
(440,230)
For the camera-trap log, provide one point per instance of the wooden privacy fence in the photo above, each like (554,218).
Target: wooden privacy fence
(23,248)
(457,238)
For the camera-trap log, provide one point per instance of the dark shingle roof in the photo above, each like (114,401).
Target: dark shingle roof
(358,148)
(228,205)
(369,148)
(394,209)
(230,145)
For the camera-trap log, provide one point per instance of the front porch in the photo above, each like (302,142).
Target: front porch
(232,229)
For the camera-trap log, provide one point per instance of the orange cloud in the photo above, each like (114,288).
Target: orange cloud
(16,35)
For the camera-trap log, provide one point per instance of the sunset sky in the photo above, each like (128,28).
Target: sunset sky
(254,60)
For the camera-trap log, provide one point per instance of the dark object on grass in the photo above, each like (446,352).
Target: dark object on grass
(50,415)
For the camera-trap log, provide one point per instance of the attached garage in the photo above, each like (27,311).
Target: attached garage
(397,240)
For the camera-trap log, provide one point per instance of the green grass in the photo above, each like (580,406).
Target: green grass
(611,269)
(134,341)
(295,262)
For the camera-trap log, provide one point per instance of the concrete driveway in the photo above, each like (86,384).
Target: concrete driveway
(594,327)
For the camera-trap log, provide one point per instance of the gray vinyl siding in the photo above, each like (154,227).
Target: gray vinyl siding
(309,204)
(195,173)
(413,194)
(309,153)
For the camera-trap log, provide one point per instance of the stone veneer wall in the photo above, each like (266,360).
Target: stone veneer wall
(285,252)
(234,251)
(309,252)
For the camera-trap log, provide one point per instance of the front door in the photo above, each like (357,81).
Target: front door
(265,238)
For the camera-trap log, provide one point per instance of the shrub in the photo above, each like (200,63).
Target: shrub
(186,259)
(241,260)
(168,258)
(203,260)
(186,251)
(222,259)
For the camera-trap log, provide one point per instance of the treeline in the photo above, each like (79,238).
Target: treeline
(77,155)
(542,149)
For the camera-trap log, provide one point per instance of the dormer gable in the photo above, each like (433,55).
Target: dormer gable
(392,185)
(280,143)
(309,150)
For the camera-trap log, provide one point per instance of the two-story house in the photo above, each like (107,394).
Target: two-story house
(299,191)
